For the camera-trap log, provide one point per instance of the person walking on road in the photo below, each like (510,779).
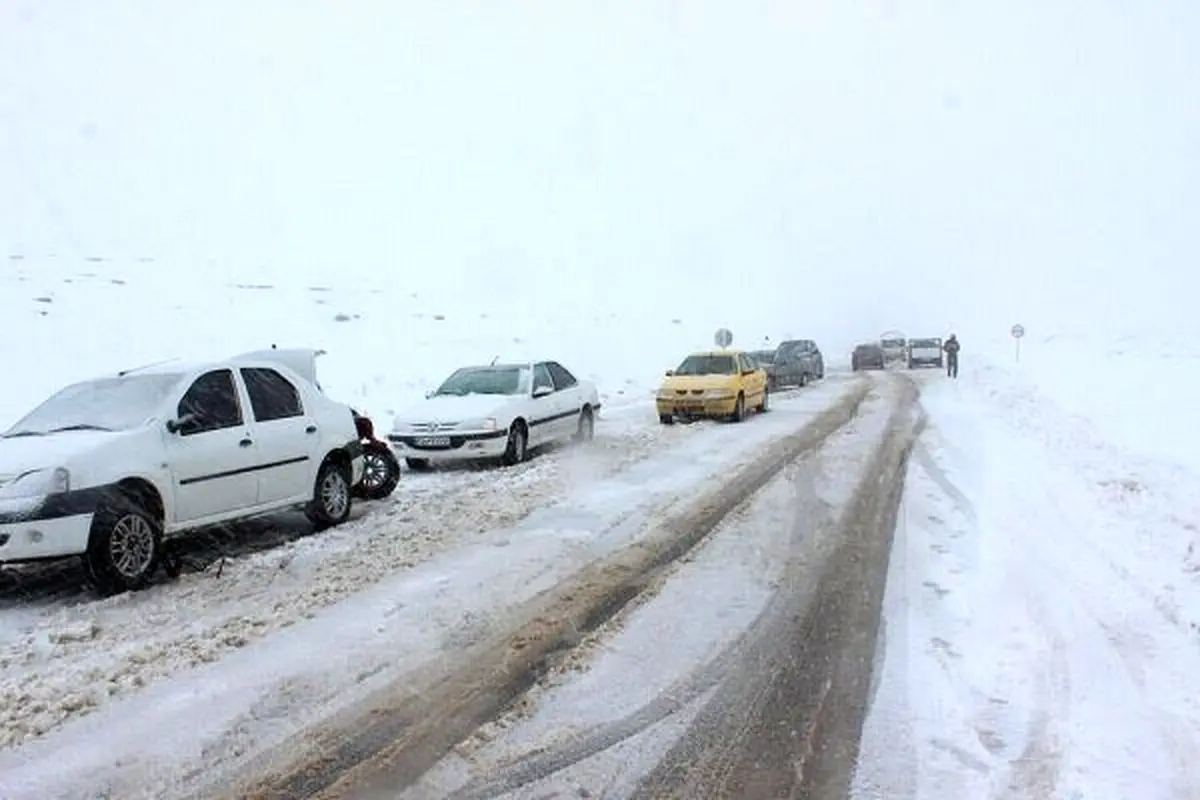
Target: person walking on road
(951,347)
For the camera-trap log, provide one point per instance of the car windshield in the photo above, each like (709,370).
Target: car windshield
(107,404)
(892,343)
(926,343)
(706,365)
(486,380)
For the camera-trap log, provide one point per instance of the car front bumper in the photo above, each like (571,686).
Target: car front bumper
(459,446)
(696,407)
(33,539)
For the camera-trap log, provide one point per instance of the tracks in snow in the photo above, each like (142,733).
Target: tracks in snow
(392,739)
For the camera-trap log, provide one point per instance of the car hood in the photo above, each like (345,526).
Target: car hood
(685,382)
(454,408)
(21,454)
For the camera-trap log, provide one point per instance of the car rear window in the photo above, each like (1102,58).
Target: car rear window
(706,365)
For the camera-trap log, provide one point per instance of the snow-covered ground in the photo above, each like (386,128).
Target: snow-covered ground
(104,684)
(386,345)
(1042,621)
(604,717)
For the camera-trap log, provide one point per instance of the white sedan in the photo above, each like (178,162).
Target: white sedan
(106,468)
(497,411)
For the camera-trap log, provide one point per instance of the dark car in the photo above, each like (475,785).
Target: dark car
(797,361)
(764,358)
(925,353)
(867,356)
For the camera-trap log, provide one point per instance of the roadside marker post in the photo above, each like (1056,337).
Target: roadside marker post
(1017,332)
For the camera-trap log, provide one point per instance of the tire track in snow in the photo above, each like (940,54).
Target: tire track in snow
(396,736)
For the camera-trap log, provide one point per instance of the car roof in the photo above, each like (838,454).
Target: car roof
(725,352)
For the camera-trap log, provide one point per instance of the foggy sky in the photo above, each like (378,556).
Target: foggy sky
(830,167)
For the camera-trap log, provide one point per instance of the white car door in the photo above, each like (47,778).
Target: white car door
(212,457)
(545,424)
(287,437)
(570,400)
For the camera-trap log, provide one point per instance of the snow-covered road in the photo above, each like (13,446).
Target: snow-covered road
(1032,648)
(603,719)
(285,636)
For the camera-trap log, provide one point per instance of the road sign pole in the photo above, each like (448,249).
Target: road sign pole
(1018,332)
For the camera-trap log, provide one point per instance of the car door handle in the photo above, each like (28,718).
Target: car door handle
(245,443)
(311,429)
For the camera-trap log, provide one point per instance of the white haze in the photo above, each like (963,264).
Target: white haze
(830,168)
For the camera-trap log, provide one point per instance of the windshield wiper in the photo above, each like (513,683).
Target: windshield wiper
(15,434)
(79,427)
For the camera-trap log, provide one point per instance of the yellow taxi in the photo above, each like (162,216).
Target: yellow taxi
(714,383)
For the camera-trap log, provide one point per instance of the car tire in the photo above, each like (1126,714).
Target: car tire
(381,473)
(417,464)
(739,409)
(330,505)
(517,449)
(124,547)
(765,405)
(803,380)
(666,419)
(586,431)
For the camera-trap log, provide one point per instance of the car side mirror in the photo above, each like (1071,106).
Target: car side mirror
(669,373)
(429,394)
(542,391)
(747,372)
(186,421)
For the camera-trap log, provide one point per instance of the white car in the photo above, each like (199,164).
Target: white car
(107,467)
(497,411)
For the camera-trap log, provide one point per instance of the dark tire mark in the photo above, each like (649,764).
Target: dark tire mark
(387,742)
(788,723)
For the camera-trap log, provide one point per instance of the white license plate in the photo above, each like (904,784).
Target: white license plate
(433,441)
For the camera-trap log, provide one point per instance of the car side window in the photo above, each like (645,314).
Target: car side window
(744,364)
(541,377)
(563,379)
(210,404)
(272,396)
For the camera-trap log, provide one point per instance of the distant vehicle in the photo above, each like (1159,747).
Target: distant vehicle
(106,468)
(715,384)
(867,356)
(797,361)
(895,348)
(925,353)
(499,411)
(764,358)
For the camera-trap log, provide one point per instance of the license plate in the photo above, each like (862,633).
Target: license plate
(433,441)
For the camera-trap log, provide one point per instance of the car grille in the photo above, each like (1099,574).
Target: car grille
(434,427)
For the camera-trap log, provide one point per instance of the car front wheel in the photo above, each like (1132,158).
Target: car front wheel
(124,548)
(330,504)
(518,441)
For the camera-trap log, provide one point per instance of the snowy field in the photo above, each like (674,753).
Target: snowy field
(386,345)
(1042,620)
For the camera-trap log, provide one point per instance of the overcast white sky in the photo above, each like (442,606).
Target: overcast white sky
(858,165)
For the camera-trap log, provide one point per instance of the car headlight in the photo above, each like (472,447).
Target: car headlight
(665,394)
(718,394)
(38,483)
(485,424)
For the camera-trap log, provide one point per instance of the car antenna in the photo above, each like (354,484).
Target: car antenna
(494,360)
(125,372)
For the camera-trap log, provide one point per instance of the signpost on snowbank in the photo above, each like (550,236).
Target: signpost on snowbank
(1017,332)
